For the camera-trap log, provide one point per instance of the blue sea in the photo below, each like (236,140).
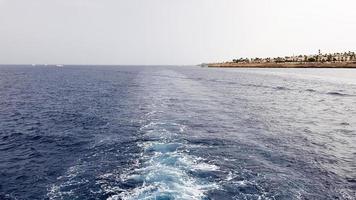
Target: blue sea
(176,132)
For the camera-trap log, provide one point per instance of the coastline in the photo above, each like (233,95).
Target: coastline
(284,65)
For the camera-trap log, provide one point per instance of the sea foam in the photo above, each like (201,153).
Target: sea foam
(165,167)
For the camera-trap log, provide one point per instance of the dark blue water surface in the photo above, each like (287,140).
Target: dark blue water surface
(163,133)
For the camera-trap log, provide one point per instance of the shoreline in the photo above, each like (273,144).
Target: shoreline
(283,65)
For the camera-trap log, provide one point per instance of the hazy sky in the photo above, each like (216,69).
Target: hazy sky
(170,31)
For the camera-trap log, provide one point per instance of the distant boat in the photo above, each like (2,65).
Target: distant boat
(59,65)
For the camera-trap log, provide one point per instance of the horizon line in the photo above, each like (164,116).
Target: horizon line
(1,64)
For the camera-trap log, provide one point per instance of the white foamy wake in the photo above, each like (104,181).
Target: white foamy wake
(165,167)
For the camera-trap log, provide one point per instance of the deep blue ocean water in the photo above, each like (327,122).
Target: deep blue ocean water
(80,132)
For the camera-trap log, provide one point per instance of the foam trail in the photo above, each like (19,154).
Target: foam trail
(165,167)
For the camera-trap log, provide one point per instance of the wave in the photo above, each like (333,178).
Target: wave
(4,196)
(310,90)
(281,88)
(338,94)
(267,86)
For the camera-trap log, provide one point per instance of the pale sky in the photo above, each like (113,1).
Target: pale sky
(170,31)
